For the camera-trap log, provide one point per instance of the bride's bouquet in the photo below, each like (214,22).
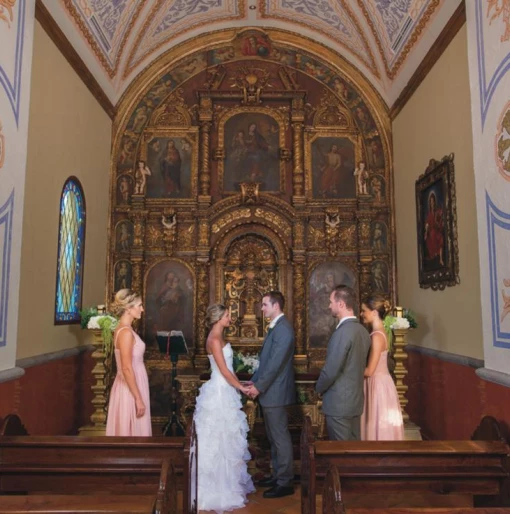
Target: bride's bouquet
(245,363)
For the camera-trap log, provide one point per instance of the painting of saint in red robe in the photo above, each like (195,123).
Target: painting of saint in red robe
(434,230)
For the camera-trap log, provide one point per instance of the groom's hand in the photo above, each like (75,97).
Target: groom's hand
(254,392)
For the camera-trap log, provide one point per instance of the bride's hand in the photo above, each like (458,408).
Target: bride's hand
(245,390)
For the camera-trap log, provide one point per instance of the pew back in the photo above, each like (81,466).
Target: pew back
(435,467)
(88,465)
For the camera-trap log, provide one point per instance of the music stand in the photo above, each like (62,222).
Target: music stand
(172,344)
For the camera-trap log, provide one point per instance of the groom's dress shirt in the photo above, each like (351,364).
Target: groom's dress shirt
(274,320)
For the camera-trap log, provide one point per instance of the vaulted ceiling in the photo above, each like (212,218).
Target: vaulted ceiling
(385,39)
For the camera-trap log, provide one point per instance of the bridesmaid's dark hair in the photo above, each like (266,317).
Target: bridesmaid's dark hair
(215,312)
(378,303)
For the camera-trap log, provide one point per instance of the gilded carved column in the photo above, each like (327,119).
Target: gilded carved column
(298,180)
(139,219)
(299,307)
(202,304)
(205,171)
(365,253)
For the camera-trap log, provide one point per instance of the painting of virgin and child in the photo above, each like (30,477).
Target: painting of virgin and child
(252,151)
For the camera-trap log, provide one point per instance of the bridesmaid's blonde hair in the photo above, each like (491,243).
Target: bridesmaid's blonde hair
(214,313)
(124,299)
(378,303)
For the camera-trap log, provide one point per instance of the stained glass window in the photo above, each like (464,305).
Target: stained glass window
(71,245)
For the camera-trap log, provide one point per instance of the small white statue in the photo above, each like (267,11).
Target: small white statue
(361,175)
(141,174)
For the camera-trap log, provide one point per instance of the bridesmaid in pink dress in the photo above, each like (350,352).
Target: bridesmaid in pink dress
(382,416)
(129,407)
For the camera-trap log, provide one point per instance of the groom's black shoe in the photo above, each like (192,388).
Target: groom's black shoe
(278,491)
(267,482)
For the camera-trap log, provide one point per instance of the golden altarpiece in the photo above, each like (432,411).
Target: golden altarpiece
(248,165)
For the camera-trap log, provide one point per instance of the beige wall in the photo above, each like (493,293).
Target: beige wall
(69,134)
(434,123)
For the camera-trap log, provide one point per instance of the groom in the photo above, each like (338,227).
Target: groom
(273,383)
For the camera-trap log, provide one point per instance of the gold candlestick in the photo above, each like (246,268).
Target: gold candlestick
(400,371)
(98,418)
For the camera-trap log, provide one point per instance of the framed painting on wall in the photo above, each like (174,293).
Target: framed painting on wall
(436,215)
(172,157)
(331,158)
(251,139)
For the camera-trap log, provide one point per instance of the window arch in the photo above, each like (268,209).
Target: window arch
(71,248)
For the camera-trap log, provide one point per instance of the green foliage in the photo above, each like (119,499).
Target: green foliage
(107,324)
(411,317)
(86,314)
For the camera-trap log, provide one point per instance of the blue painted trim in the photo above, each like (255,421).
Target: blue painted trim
(486,93)
(6,216)
(13,90)
(495,218)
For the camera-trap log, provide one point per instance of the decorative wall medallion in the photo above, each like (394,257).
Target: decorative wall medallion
(503,143)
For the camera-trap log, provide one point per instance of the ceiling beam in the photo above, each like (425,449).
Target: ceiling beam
(436,50)
(62,43)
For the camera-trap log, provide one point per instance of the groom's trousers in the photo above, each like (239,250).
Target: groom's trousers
(277,429)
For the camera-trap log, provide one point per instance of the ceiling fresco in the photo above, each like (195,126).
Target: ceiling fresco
(385,39)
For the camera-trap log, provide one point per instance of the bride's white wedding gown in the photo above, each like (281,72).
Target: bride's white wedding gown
(223,479)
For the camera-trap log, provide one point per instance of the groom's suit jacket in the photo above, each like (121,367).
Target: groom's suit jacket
(275,375)
(341,378)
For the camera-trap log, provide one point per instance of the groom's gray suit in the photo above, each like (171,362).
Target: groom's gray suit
(274,379)
(341,380)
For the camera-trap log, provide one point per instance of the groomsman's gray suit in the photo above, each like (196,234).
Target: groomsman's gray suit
(341,380)
(274,379)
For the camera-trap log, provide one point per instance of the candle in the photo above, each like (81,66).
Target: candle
(399,312)
(101,309)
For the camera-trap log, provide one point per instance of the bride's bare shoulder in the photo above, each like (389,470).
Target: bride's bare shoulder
(214,342)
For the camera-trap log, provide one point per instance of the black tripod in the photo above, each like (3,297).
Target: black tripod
(173,428)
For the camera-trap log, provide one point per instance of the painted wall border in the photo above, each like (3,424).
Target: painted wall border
(13,89)
(6,218)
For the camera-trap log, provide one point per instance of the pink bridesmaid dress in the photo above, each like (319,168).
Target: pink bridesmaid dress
(382,416)
(122,420)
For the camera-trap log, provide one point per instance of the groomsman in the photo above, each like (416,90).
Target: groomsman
(273,383)
(341,378)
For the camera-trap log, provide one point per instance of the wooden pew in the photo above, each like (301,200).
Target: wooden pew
(163,502)
(439,467)
(332,503)
(97,465)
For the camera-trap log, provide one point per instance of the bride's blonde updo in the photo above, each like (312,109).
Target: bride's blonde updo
(124,299)
(378,303)
(214,313)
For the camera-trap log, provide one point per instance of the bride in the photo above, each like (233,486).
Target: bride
(223,479)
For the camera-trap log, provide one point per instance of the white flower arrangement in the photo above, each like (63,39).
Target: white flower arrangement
(400,323)
(95,321)
(245,363)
